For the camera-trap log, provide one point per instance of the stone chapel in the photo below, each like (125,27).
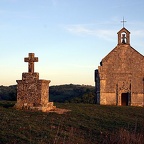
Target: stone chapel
(119,80)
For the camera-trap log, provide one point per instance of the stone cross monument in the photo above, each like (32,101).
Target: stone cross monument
(33,93)
(31,59)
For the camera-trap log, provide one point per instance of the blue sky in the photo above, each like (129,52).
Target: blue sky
(70,37)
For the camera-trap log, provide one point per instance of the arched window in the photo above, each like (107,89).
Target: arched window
(123,38)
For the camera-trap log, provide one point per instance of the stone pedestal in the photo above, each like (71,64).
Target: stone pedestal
(33,93)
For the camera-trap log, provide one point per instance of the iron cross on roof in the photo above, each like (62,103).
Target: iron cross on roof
(123,21)
(31,59)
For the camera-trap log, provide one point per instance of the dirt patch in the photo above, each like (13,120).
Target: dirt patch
(60,111)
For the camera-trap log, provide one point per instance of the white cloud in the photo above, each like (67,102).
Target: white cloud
(79,29)
(107,34)
(82,30)
(139,33)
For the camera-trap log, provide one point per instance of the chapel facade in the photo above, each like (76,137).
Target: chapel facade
(119,80)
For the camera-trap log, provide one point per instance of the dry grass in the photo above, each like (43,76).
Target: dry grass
(124,137)
(84,124)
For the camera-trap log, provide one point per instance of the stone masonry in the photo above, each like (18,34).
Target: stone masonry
(119,79)
(33,93)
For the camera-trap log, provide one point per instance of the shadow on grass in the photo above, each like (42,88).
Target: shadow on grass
(7,104)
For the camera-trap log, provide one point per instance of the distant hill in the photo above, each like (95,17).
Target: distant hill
(8,92)
(59,93)
(72,93)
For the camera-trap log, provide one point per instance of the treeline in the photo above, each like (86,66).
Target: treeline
(72,93)
(60,93)
(8,93)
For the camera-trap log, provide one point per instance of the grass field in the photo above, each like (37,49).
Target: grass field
(84,124)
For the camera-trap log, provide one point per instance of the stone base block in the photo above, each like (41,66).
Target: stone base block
(44,108)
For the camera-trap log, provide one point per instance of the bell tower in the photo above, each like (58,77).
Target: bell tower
(123,35)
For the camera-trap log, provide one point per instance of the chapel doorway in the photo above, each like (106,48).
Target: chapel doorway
(124,99)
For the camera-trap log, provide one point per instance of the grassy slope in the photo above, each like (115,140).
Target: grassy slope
(84,124)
